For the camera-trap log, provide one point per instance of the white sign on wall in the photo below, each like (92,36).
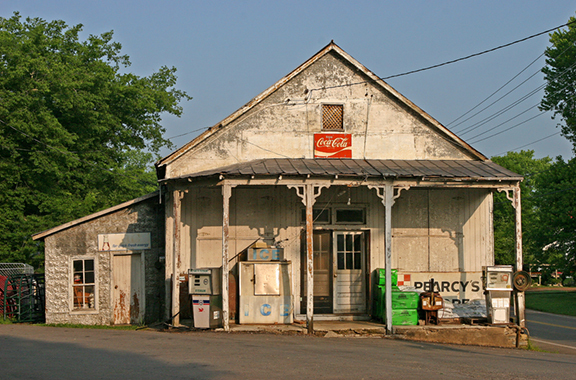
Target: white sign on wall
(459,288)
(124,242)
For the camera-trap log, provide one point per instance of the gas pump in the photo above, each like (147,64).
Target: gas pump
(497,281)
(204,287)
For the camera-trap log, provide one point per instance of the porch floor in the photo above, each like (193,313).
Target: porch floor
(345,328)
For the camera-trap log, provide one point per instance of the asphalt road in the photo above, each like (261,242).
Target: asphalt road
(552,332)
(34,352)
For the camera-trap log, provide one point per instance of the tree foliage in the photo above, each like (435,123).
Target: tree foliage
(556,202)
(77,133)
(560,77)
(530,168)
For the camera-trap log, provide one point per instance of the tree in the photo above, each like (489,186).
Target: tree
(556,202)
(526,165)
(560,77)
(78,134)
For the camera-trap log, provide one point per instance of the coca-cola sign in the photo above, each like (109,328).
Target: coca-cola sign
(332,145)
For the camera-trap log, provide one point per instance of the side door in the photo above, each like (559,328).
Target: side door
(128,294)
(349,281)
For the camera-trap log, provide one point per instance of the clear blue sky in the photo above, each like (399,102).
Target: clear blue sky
(228,52)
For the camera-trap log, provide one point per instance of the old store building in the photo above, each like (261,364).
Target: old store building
(330,164)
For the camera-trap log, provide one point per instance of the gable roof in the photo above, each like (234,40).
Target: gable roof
(331,47)
(44,234)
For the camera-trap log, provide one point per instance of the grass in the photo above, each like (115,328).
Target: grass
(6,321)
(556,302)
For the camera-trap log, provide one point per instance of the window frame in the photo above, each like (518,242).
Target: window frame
(73,286)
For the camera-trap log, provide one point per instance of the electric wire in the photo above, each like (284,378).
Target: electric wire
(504,122)
(470,128)
(498,90)
(451,61)
(524,146)
(494,93)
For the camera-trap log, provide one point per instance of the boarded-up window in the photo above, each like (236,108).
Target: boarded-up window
(332,117)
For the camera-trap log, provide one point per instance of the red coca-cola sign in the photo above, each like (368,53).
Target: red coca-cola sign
(332,145)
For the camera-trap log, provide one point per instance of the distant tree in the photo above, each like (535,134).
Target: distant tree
(555,199)
(560,77)
(531,168)
(77,133)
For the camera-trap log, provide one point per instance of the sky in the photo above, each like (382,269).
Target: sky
(228,52)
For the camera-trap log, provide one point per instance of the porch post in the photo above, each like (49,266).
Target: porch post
(226,194)
(176,211)
(386,194)
(308,193)
(310,199)
(520,302)
(389,201)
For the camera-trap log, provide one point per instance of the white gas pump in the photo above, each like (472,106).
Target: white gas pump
(497,281)
(204,286)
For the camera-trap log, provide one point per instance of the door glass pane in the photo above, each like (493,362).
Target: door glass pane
(349,242)
(340,260)
(357,260)
(340,239)
(349,260)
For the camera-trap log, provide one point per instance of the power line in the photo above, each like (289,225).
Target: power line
(494,93)
(507,129)
(480,53)
(469,128)
(504,122)
(524,146)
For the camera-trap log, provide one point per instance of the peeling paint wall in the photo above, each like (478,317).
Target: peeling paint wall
(434,230)
(284,123)
(81,241)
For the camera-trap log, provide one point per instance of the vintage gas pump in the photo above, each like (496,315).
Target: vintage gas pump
(204,287)
(497,281)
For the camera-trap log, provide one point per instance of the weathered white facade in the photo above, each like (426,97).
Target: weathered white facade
(346,176)
(240,181)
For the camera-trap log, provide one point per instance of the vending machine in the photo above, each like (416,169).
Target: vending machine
(265,292)
(497,281)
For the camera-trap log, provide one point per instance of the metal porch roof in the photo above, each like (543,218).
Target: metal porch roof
(330,167)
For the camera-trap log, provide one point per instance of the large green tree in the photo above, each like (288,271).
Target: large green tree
(77,132)
(555,199)
(556,194)
(560,77)
(531,168)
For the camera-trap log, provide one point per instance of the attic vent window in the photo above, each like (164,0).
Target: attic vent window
(332,117)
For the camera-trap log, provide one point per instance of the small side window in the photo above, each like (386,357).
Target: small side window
(83,284)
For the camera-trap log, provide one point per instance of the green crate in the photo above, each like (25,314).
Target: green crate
(381,274)
(400,300)
(405,300)
(405,317)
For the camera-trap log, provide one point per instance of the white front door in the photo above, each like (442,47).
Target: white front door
(349,272)
(128,289)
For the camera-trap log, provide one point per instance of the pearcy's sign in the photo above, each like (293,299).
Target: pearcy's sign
(456,287)
(332,145)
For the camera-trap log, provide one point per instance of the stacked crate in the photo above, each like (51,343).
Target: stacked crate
(404,304)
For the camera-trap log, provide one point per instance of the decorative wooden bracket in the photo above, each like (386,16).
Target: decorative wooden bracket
(510,195)
(301,192)
(381,192)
